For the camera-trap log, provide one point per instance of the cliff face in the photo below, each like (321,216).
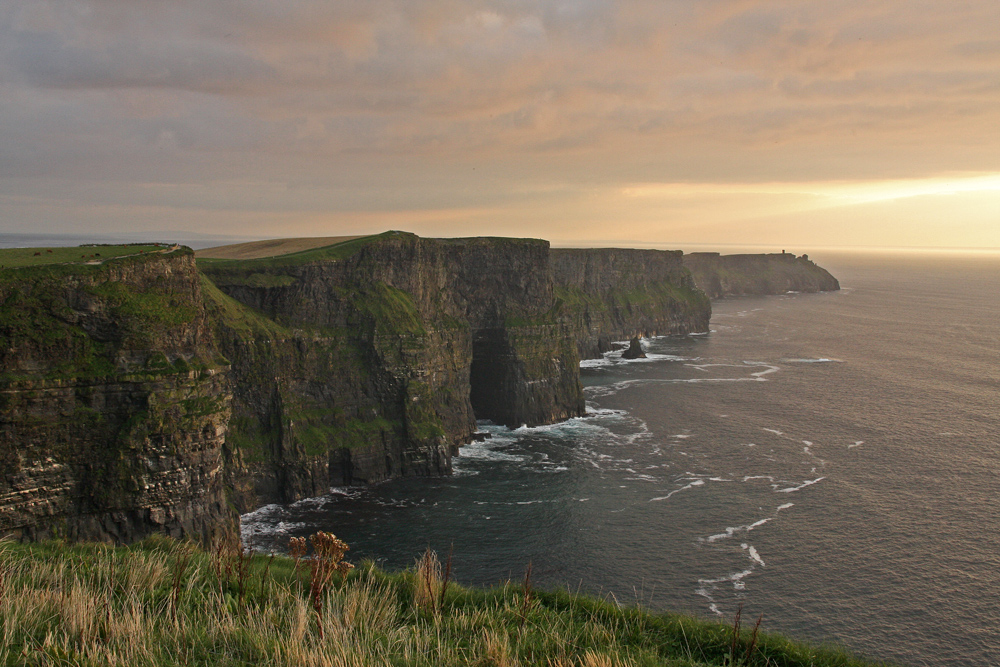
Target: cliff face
(735,275)
(113,405)
(616,294)
(384,353)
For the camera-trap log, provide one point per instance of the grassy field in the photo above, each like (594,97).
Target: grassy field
(17,257)
(270,247)
(161,602)
(334,252)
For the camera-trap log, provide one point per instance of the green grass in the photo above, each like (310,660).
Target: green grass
(161,602)
(238,317)
(385,308)
(334,252)
(18,257)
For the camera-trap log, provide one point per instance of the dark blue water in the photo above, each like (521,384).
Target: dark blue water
(829,460)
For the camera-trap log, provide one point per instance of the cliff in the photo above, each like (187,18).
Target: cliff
(113,408)
(617,294)
(738,275)
(140,395)
(381,353)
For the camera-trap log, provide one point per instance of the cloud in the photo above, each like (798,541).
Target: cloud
(412,104)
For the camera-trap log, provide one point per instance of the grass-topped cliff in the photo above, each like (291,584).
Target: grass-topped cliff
(116,311)
(113,405)
(742,275)
(161,602)
(393,346)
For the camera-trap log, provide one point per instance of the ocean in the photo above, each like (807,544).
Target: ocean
(827,460)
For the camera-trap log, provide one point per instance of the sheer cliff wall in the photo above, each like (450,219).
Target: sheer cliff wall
(740,275)
(386,352)
(613,294)
(113,405)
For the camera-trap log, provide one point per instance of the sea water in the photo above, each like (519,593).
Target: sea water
(827,460)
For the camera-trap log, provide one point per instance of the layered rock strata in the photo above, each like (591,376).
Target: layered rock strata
(383,353)
(113,404)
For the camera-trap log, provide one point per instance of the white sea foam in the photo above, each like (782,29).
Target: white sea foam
(320,501)
(487,451)
(258,529)
(858,443)
(774,431)
(754,555)
(614,357)
(604,412)
(348,491)
(263,513)
(691,485)
(822,360)
(643,478)
(736,578)
(595,363)
(735,530)
(767,371)
(708,586)
(800,486)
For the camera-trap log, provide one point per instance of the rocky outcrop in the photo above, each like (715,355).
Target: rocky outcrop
(113,402)
(739,275)
(615,294)
(634,350)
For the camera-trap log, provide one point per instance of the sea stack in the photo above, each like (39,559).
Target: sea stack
(634,350)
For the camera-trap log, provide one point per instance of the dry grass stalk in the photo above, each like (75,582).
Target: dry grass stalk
(744,659)
(181,560)
(752,646)
(447,578)
(428,582)
(736,634)
(526,599)
(297,549)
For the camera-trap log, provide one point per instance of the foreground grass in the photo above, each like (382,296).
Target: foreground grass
(162,602)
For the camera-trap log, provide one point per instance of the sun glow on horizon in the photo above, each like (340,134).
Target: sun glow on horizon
(825,193)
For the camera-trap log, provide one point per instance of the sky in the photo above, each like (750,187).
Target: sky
(801,124)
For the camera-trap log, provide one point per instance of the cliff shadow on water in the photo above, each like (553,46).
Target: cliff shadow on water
(145,393)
